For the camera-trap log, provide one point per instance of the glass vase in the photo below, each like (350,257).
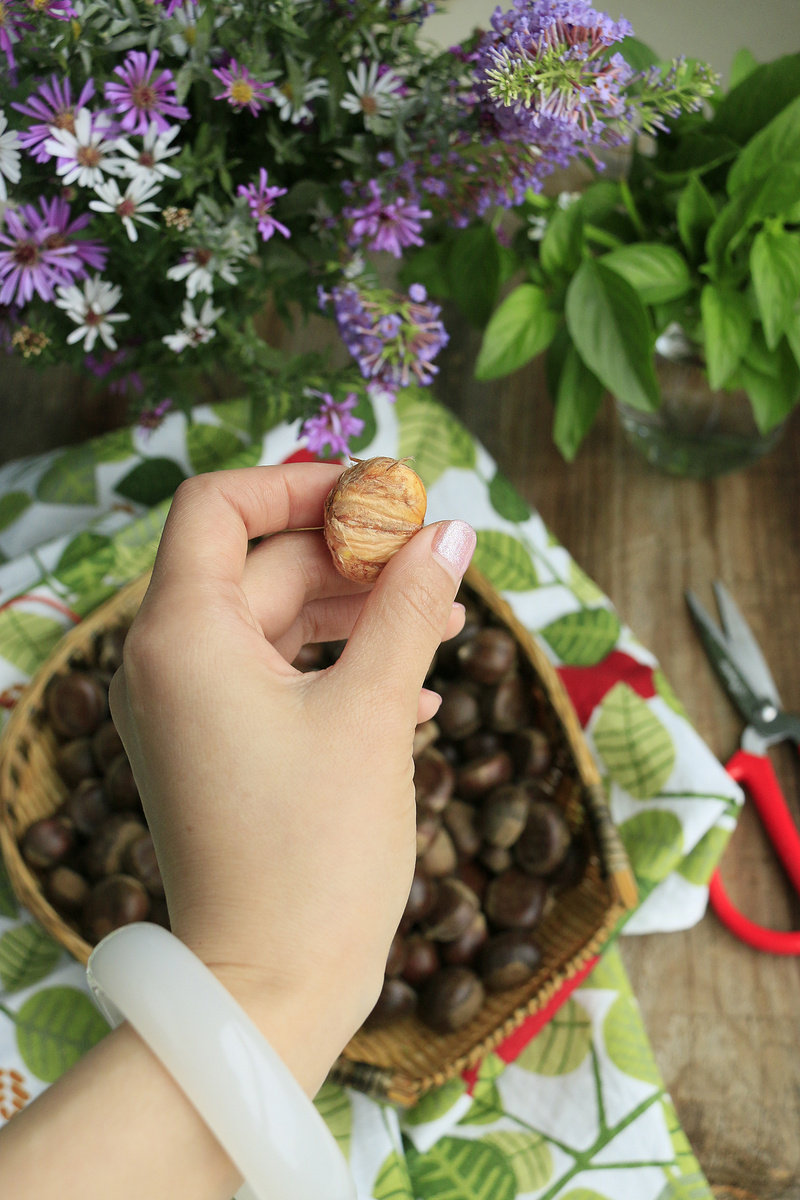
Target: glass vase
(696,431)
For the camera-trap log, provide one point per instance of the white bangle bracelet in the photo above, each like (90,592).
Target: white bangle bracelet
(241,1088)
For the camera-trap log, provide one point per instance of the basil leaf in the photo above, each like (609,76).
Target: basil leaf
(777,142)
(744,62)
(613,334)
(657,273)
(753,103)
(560,251)
(473,272)
(579,396)
(521,328)
(726,331)
(773,195)
(695,215)
(772,381)
(775,266)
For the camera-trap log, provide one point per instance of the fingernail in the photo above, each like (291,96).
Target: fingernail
(454,545)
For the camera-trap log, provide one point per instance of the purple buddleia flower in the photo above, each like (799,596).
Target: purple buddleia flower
(241,90)
(50,105)
(545,78)
(260,199)
(393,339)
(142,96)
(333,425)
(12,27)
(30,265)
(169,7)
(56,215)
(385,224)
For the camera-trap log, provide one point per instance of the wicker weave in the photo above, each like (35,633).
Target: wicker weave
(406,1059)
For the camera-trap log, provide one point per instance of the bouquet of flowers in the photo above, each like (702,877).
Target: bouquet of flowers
(168,165)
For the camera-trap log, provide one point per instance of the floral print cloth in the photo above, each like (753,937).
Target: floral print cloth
(579,1112)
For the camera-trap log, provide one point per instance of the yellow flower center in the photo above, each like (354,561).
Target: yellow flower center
(242,92)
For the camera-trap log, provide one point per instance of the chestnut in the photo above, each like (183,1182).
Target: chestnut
(108,650)
(87,806)
(544,841)
(455,906)
(460,819)
(459,714)
(507,706)
(515,900)
(451,998)
(74,760)
(115,901)
(120,785)
(482,774)
(421,897)
(66,889)
(440,857)
(397,999)
(47,842)
(139,859)
(461,951)
(503,814)
(396,956)
(106,745)
(507,960)
(531,752)
(105,851)
(76,704)
(434,778)
(489,656)
(422,959)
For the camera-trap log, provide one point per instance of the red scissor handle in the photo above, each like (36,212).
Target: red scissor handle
(757,777)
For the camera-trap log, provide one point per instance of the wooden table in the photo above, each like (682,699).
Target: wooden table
(722,1018)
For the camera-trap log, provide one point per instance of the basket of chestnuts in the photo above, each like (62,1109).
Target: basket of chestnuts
(520,875)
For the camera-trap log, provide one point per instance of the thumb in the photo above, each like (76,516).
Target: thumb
(404,617)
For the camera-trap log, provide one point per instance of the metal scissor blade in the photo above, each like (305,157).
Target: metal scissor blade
(744,648)
(721,659)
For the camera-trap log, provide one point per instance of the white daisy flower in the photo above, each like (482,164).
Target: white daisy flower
(147,161)
(90,307)
(372,96)
(197,328)
(85,156)
(9,155)
(130,205)
(185,40)
(292,102)
(199,269)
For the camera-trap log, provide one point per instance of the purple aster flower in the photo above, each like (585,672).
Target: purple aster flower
(51,105)
(170,6)
(333,425)
(30,265)
(241,89)
(386,225)
(56,215)
(260,199)
(142,97)
(59,10)
(393,339)
(12,26)
(151,418)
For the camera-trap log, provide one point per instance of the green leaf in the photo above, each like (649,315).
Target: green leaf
(562,245)
(653,840)
(687,1187)
(8,900)
(333,1105)
(487,1106)
(233,414)
(753,103)
(637,749)
(700,863)
(246,455)
(667,693)
(562,1045)
(726,331)
(392,1181)
(637,54)
(793,336)
(431,436)
(428,266)
(613,334)
(13,505)
(773,195)
(27,954)
(657,273)
(583,1193)
(54,1028)
(772,382)
(114,446)
(135,545)
(504,561)
(26,638)
(528,1154)
(578,399)
(585,637)
(695,214)
(70,479)
(151,481)
(582,586)
(208,446)
(777,142)
(626,1041)
(458,1169)
(775,266)
(521,328)
(505,499)
(684,1156)
(435,1103)
(743,64)
(473,269)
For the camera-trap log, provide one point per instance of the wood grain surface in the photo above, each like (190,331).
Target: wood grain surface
(722,1018)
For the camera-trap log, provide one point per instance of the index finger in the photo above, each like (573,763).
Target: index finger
(214,516)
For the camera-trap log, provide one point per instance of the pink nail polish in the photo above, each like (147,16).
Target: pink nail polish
(454,545)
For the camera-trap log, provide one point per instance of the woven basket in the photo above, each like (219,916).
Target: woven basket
(402,1061)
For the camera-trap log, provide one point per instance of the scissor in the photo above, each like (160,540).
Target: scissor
(738,661)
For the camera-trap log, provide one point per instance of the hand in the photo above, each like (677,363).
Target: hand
(281,803)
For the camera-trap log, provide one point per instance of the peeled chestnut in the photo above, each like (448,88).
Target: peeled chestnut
(507,960)
(544,841)
(515,900)
(47,842)
(374,508)
(115,901)
(451,998)
(76,704)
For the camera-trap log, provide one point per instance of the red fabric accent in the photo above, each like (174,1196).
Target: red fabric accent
(303,455)
(516,1042)
(587,686)
(47,601)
